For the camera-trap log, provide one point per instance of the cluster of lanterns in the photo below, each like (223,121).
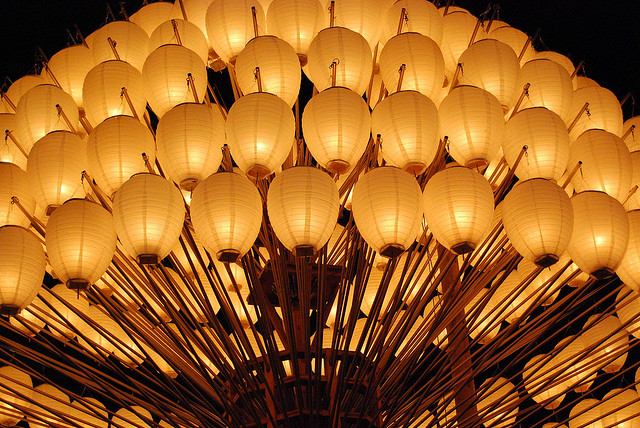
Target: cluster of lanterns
(436,82)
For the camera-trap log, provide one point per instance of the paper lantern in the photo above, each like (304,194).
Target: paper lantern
(497,395)
(167,72)
(423,18)
(230,26)
(101,339)
(337,125)
(226,211)
(628,310)
(134,418)
(55,167)
(115,151)
(14,182)
(458,28)
(148,214)
(604,111)
(16,393)
(558,58)
(630,265)
(575,364)
(70,66)
(9,151)
(81,242)
(424,65)
(63,318)
(296,22)
(610,341)
(37,114)
(550,87)
(587,413)
(278,64)
(631,130)
(151,15)
(494,67)
(518,41)
(361,16)
(261,148)
(102,93)
(483,323)
(131,43)
(473,120)
(621,408)
(408,125)
(606,164)
(540,379)
(196,11)
(386,209)
(303,207)
(341,52)
(17,89)
(90,411)
(50,403)
(190,138)
(458,207)
(191,37)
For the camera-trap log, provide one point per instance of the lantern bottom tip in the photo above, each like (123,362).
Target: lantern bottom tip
(546,260)
(392,250)
(9,310)
(148,259)
(463,247)
(227,256)
(77,284)
(602,273)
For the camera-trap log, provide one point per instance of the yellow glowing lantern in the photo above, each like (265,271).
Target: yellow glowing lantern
(387,211)
(296,22)
(148,213)
(621,408)
(17,89)
(50,403)
(190,138)
(458,28)
(420,17)
(630,265)
(628,310)
(458,207)
(631,130)
(90,411)
(121,40)
(496,395)
(196,11)
(16,394)
(135,418)
(336,124)
(361,16)
(587,413)
(609,339)
(150,16)
(550,87)
(14,182)
(484,325)
(70,66)
(64,319)
(584,82)
(99,339)
(226,210)
(180,32)
(540,378)
(116,149)
(27,323)
(560,59)
(575,363)
(603,111)
(518,41)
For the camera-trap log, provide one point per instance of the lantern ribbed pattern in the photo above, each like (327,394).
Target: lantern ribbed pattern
(628,310)
(226,210)
(361,16)
(458,207)
(196,11)
(600,233)
(632,140)
(279,68)
(102,335)
(472,118)
(51,402)
(538,220)
(90,411)
(408,125)
(296,22)
(606,164)
(18,89)
(610,339)
(70,66)
(458,29)
(353,55)
(492,66)
(547,140)
(586,414)
(55,167)
(132,43)
(190,138)
(303,207)
(125,418)
(14,182)
(115,151)
(386,209)
(551,87)
(102,90)
(584,82)
(630,265)
(496,394)
(604,111)
(22,268)
(37,115)
(191,37)
(576,365)
(516,39)
(150,16)
(622,408)
(558,58)
(336,124)
(81,241)
(165,75)
(539,376)
(230,26)
(423,60)
(423,18)
(148,213)
(9,151)
(262,147)
(15,389)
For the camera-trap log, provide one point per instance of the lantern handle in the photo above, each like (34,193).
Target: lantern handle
(403,18)
(112,45)
(176,33)
(525,92)
(571,174)
(6,98)
(66,118)
(192,85)
(97,190)
(629,131)
(332,14)
(124,93)
(254,17)
(256,74)
(183,10)
(633,190)
(333,67)
(8,134)
(585,108)
(401,71)
(37,224)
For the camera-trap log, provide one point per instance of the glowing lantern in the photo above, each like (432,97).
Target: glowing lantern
(518,41)
(423,18)
(190,37)
(150,16)
(49,402)
(116,149)
(494,67)
(148,213)
(14,182)
(628,269)
(423,63)
(458,28)
(27,323)
(540,380)
(296,22)
(195,11)
(408,125)
(230,26)
(575,363)
(261,148)
(37,114)
(64,319)
(558,58)
(458,207)
(90,411)
(131,43)
(278,65)
(101,337)
(134,418)
(18,89)
(55,167)
(190,138)
(484,325)
(172,74)
(102,92)
(550,87)
(70,66)
(336,124)
(498,394)
(473,120)
(81,242)
(621,408)
(606,164)
(587,413)
(604,111)
(631,129)
(226,210)
(610,341)
(628,310)
(16,392)
(9,151)
(361,16)
(386,209)
(342,53)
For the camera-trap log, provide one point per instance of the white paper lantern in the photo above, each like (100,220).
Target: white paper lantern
(423,18)
(134,418)
(575,363)
(70,66)
(386,209)
(17,89)
(16,393)
(540,377)
(50,403)
(101,339)
(587,413)
(550,87)
(498,402)
(558,58)
(604,111)
(621,407)
(628,310)
(361,16)
(518,41)
(458,28)
(191,37)
(609,339)
(148,213)
(196,11)
(296,22)
(9,151)
(337,125)
(132,43)
(630,265)
(458,207)
(64,318)
(14,182)
(90,411)
(150,16)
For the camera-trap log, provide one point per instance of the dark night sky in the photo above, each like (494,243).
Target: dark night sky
(604,34)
